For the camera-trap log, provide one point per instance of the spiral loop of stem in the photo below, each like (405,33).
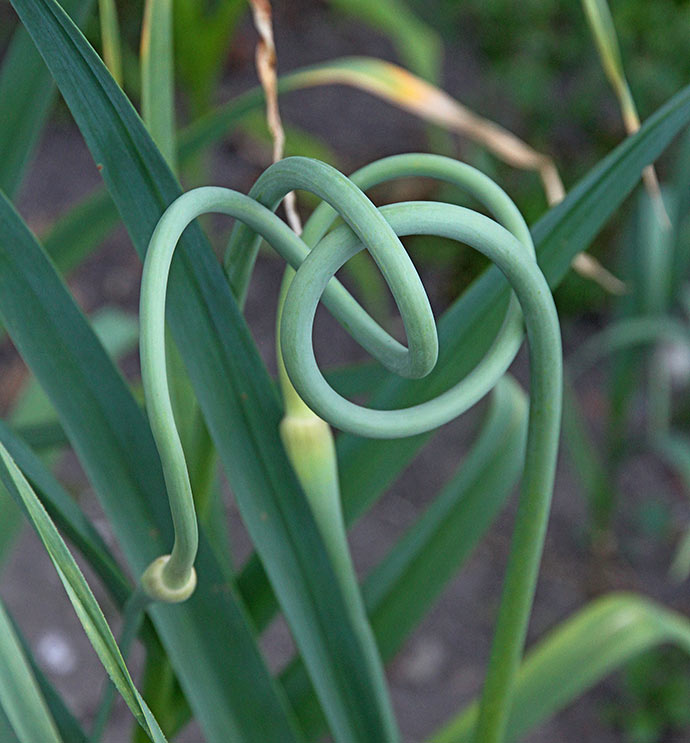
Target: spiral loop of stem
(316,257)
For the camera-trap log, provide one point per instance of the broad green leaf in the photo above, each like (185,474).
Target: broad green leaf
(235,394)
(10,524)
(83,600)
(22,116)
(208,639)
(20,697)
(116,329)
(43,437)
(576,655)
(356,380)
(404,586)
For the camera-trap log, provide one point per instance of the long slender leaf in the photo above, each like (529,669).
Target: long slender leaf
(118,332)
(83,600)
(157,76)
(407,582)
(674,450)
(67,725)
(111,44)
(234,391)
(468,326)
(20,696)
(34,415)
(465,330)
(208,639)
(576,655)
(587,461)
(418,45)
(6,731)
(200,56)
(22,116)
(77,233)
(66,512)
(10,524)
(356,380)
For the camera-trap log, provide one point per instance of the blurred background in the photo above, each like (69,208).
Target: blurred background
(621,506)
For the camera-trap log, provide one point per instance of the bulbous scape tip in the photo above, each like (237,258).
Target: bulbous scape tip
(153,581)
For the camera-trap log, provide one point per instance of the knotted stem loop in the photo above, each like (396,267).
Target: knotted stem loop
(506,242)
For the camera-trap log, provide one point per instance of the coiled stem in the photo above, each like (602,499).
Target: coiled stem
(506,242)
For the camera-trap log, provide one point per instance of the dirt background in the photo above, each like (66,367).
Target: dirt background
(441,667)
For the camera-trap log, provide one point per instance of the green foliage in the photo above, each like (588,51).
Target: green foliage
(540,63)
(203,655)
(23,116)
(605,634)
(653,702)
(20,696)
(534,46)
(83,600)
(417,44)
(203,33)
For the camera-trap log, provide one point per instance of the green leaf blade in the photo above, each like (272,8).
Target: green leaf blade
(576,655)
(404,586)
(83,600)
(20,696)
(208,635)
(233,387)
(470,324)
(22,116)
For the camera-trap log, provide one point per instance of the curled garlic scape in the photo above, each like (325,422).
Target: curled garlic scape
(316,256)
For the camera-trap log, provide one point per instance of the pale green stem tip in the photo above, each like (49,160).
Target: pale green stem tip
(157,584)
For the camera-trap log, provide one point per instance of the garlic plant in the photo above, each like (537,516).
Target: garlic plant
(198,616)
